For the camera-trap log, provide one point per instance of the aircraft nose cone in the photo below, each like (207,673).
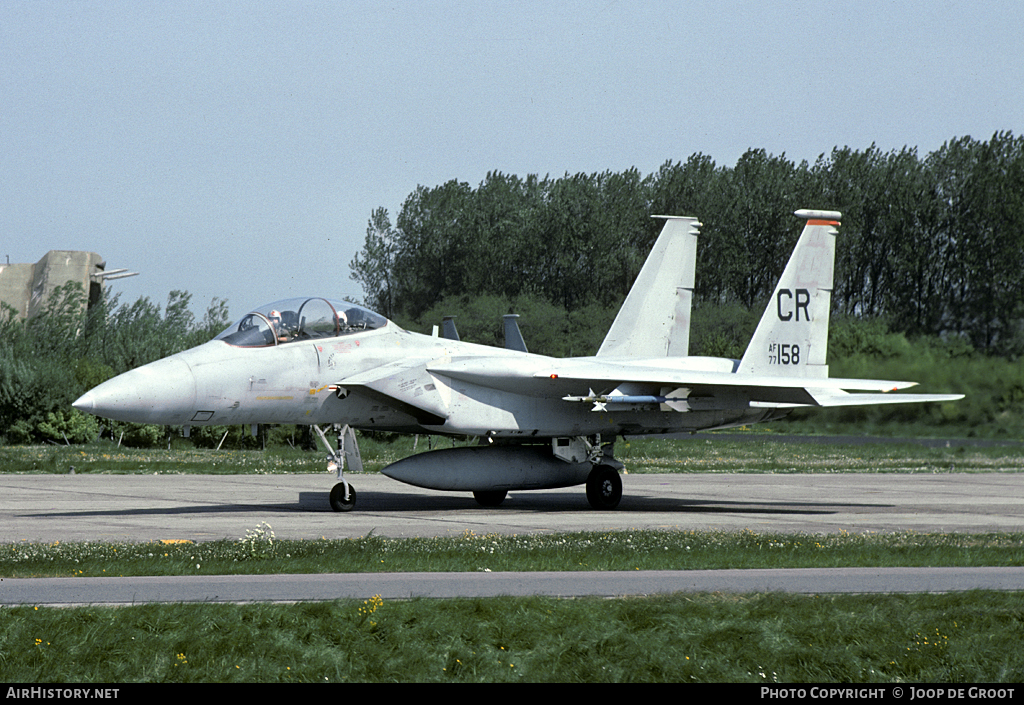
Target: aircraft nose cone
(86,403)
(162,392)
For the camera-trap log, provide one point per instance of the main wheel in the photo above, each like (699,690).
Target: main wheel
(604,487)
(490,498)
(339,502)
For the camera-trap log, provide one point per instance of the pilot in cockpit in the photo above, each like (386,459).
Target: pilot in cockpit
(353,320)
(280,324)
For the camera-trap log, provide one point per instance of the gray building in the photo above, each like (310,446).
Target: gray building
(26,287)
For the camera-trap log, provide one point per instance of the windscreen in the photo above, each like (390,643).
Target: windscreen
(292,320)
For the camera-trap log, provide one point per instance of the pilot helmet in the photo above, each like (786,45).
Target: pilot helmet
(275,315)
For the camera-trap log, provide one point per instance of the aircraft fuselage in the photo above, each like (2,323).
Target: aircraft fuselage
(304,382)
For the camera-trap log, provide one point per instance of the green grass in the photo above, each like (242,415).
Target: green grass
(103,456)
(259,552)
(769,638)
(761,638)
(106,458)
(723,454)
(767,454)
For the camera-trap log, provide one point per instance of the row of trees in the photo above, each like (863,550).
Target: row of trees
(933,244)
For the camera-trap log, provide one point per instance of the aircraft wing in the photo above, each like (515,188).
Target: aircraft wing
(578,379)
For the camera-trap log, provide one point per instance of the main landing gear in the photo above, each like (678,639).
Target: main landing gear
(604,490)
(604,487)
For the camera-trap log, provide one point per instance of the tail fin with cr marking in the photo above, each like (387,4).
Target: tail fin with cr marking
(792,338)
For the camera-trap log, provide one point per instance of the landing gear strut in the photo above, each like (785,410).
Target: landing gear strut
(604,486)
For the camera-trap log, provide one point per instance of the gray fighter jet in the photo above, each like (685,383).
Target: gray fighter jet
(542,422)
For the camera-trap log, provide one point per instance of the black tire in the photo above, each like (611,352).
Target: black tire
(490,498)
(338,501)
(604,487)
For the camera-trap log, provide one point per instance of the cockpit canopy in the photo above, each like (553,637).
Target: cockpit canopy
(300,319)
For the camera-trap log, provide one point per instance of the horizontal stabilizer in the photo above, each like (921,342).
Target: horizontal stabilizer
(832,398)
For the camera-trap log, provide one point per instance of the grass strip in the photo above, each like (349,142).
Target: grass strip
(764,638)
(259,552)
(722,454)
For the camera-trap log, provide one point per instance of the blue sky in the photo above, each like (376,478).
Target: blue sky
(237,149)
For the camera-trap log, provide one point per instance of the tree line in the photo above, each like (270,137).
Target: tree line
(933,245)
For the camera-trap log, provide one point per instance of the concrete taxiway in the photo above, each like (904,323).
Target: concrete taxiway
(389,586)
(45,508)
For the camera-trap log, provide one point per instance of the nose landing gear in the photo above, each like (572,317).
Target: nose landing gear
(343,495)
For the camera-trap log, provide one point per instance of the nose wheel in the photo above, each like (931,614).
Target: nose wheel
(343,497)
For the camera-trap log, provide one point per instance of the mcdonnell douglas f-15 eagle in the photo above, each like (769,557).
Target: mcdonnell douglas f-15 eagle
(543,422)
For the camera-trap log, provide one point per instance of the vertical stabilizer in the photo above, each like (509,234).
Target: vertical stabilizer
(654,321)
(513,336)
(448,329)
(792,338)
